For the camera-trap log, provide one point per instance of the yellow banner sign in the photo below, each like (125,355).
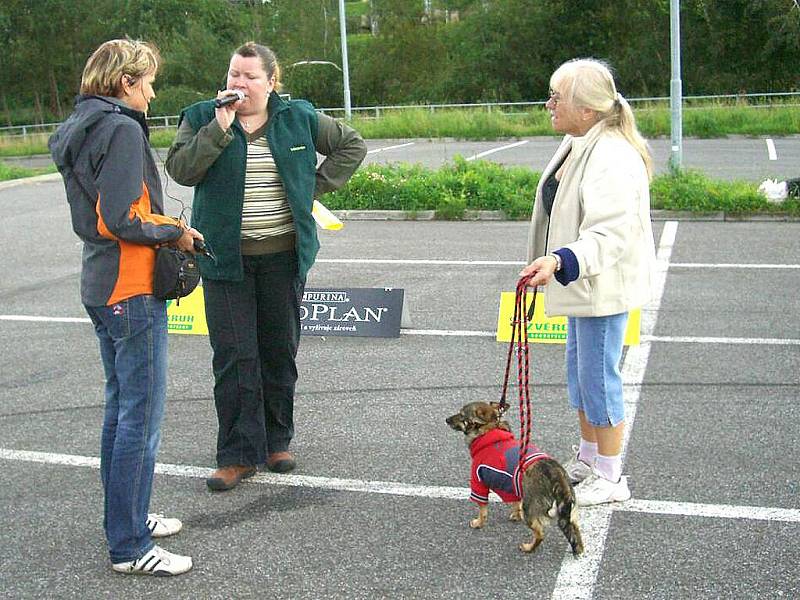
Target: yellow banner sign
(554,330)
(190,317)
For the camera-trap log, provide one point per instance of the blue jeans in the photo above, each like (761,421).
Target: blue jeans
(133,346)
(594,383)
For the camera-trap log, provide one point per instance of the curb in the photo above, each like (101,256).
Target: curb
(35,179)
(497,215)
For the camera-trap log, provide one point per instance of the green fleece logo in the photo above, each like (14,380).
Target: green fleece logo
(296,148)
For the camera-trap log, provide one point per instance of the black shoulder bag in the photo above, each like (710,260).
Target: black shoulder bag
(176,274)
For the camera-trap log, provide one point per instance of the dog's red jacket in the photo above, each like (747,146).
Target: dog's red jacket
(495,466)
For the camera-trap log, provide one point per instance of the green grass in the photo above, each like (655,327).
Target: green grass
(706,121)
(459,186)
(8,172)
(471,124)
(714,120)
(481,185)
(27,146)
(356,8)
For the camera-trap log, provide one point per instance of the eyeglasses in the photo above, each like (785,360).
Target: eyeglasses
(555,98)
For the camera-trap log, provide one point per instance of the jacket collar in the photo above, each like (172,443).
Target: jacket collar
(275,104)
(118,106)
(581,144)
(571,144)
(488,438)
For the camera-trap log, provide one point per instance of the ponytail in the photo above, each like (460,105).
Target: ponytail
(623,120)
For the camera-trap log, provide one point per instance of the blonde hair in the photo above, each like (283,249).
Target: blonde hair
(588,83)
(102,75)
(269,61)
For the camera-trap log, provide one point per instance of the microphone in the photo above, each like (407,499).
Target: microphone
(234,97)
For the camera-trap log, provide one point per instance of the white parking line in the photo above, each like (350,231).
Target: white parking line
(519,263)
(500,149)
(395,488)
(771,150)
(485,333)
(420,261)
(721,340)
(448,332)
(577,578)
(385,148)
(732,266)
(36,319)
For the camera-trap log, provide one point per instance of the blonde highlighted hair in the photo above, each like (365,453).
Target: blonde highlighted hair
(589,83)
(102,75)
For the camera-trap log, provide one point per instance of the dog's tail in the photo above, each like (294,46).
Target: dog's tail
(564,497)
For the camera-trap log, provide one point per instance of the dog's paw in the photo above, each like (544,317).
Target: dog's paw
(515,515)
(527,547)
(477,523)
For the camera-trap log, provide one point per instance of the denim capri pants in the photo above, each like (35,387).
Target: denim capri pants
(594,383)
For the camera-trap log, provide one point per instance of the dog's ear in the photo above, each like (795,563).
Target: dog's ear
(487,412)
(500,408)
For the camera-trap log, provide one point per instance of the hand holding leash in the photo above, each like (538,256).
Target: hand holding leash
(540,271)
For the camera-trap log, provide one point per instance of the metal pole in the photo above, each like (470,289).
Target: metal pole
(348,113)
(676,91)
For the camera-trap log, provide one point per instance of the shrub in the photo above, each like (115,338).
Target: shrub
(480,185)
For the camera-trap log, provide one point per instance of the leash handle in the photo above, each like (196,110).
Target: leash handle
(515,326)
(519,337)
(523,371)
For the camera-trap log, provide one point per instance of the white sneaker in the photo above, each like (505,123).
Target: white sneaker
(157,562)
(599,490)
(774,190)
(576,469)
(161,526)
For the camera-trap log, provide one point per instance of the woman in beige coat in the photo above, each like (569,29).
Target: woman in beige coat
(591,232)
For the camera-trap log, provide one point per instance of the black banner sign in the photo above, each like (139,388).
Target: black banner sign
(360,312)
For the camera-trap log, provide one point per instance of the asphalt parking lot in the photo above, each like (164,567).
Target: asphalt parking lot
(378,505)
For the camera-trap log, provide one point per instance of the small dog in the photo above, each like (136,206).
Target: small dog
(537,491)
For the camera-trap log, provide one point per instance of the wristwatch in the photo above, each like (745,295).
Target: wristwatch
(558,260)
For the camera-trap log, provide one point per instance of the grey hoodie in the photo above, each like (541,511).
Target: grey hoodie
(115,198)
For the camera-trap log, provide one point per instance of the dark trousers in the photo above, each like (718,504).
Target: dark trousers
(254,329)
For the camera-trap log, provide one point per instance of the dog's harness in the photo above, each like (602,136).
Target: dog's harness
(519,335)
(496,466)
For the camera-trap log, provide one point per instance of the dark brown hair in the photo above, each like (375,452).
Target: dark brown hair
(268,60)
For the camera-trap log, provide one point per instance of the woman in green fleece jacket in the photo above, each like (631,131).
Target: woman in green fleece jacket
(253,163)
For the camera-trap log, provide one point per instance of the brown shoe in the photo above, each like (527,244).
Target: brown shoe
(227,478)
(281,462)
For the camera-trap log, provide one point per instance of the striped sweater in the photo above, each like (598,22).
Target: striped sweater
(266,213)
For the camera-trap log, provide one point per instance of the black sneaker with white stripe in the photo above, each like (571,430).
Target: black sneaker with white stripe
(157,562)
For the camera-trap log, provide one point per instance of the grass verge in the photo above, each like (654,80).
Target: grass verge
(8,172)
(710,120)
(479,185)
